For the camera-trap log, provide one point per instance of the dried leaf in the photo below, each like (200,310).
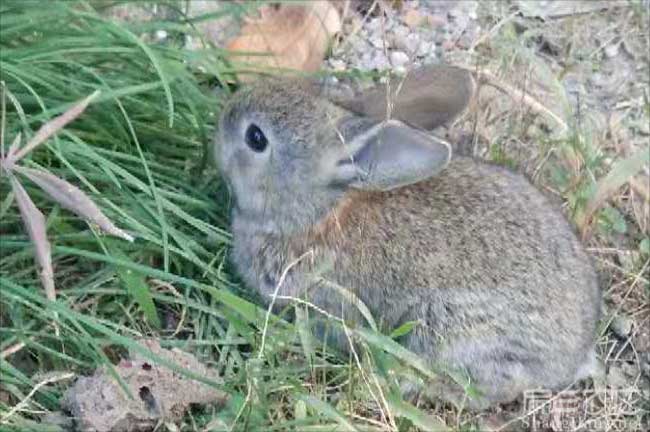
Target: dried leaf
(53,126)
(294,36)
(35,224)
(608,185)
(73,199)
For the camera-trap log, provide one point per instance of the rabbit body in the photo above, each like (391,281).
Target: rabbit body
(492,272)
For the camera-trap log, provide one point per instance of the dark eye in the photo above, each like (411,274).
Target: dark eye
(255,138)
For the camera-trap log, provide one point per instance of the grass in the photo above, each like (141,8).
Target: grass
(141,151)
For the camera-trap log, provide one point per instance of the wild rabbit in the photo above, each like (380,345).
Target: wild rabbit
(492,272)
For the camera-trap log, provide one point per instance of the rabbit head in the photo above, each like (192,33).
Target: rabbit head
(289,154)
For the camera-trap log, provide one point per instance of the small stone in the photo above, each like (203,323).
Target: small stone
(611,50)
(399,58)
(616,378)
(621,326)
(455,12)
(401,31)
(408,44)
(161,35)
(425,49)
(374,24)
(366,58)
(448,45)
(379,62)
(377,41)
(338,65)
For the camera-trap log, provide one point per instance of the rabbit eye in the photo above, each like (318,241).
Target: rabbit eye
(255,138)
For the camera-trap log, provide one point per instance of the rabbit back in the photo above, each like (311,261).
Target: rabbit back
(492,272)
(339,202)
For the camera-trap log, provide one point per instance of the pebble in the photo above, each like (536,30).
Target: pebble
(161,35)
(621,326)
(616,377)
(374,24)
(338,64)
(377,41)
(399,58)
(426,49)
(379,61)
(409,43)
(611,50)
(417,34)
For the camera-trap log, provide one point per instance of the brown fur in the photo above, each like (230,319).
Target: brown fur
(490,269)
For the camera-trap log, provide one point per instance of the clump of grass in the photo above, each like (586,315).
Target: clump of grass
(133,151)
(597,167)
(138,152)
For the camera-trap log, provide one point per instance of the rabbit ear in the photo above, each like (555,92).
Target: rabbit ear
(388,155)
(426,97)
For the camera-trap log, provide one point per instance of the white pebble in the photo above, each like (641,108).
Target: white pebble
(621,326)
(377,41)
(338,65)
(611,50)
(161,35)
(425,49)
(399,58)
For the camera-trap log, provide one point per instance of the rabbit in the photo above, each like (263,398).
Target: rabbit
(333,193)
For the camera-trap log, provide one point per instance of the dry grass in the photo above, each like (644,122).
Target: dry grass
(568,66)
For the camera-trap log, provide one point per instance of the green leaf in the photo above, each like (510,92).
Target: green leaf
(420,419)
(404,329)
(644,246)
(620,173)
(136,285)
(327,410)
(387,344)
(612,220)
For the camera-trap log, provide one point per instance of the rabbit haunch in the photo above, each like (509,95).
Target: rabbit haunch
(492,272)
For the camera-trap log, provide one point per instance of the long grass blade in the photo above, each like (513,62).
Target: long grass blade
(73,199)
(35,224)
(53,126)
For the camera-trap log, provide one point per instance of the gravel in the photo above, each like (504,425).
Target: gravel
(419,33)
